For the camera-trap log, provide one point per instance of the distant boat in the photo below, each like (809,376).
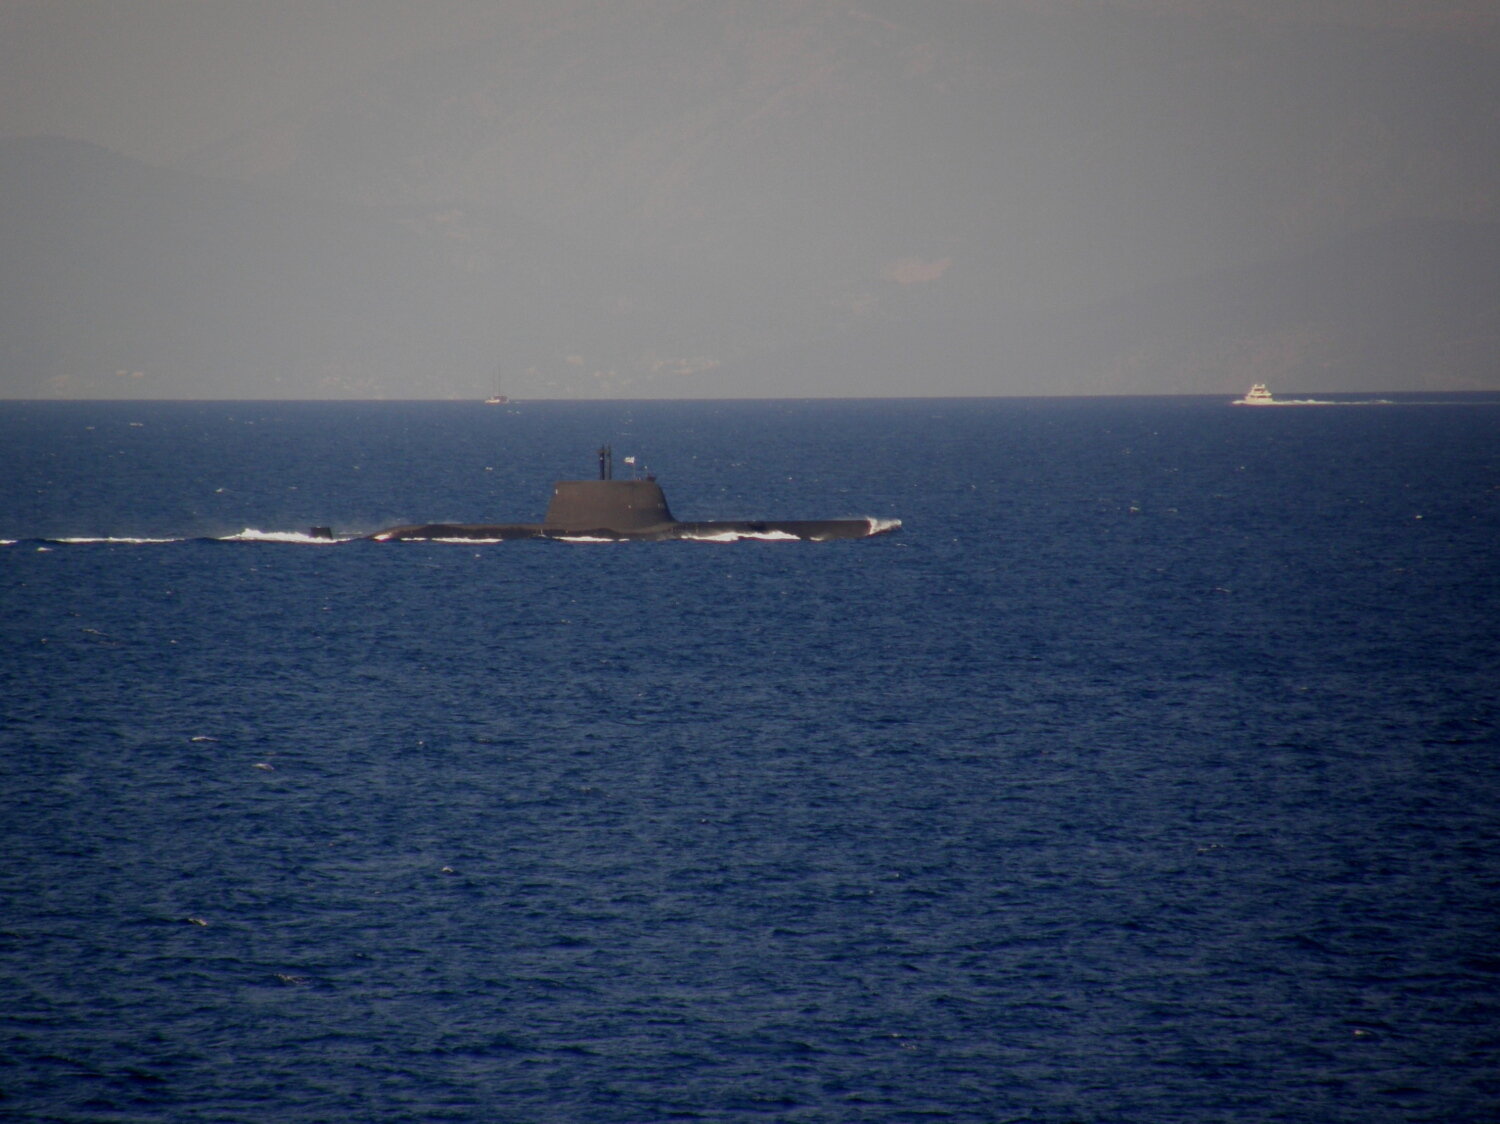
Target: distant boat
(497,399)
(1257,395)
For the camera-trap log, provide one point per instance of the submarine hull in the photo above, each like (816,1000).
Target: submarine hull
(633,511)
(806,530)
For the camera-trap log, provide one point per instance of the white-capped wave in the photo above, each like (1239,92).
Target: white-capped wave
(737,536)
(252,534)
(249,534)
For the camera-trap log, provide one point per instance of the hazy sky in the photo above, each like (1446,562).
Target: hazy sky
(953,181)
(159,79)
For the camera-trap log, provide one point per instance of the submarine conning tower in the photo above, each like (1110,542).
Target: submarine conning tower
(607,505)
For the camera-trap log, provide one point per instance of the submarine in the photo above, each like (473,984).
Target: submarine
(631,510)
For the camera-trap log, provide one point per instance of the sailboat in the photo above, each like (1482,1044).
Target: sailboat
(497,399)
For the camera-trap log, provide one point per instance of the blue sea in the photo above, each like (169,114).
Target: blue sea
(1149,773)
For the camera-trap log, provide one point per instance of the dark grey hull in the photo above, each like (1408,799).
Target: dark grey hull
(633,511)
(807,530)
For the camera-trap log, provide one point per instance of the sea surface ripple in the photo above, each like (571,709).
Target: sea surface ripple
(1148,774)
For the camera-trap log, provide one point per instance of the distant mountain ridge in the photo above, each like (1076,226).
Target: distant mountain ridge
(675,198)
(124,268)
(132,269)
